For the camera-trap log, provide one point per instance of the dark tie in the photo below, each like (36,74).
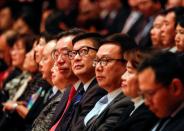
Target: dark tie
(71,94)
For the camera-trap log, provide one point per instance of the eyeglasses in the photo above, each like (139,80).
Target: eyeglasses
(56,53)
(82,52)
(104,61)
(149,94)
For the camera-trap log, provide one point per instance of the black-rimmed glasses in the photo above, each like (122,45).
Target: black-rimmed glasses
(82,52)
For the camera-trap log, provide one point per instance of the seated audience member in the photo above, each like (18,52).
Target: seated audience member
(8,14)
(179,37)
(134,20)
(89,18)
(140,119)
(7,39)
(109,66)
(116,14)
(70,83)
(164,91)
(168,28)
(85,46)
(23,44)
(149,9)
(62,78)
(156,32)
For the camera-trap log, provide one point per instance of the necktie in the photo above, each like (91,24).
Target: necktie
(71,94)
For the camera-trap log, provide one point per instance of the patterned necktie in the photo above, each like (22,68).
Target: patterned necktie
(71,94)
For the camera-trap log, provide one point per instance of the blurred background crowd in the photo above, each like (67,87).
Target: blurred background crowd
(27,26)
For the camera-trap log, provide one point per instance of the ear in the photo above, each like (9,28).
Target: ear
(176,87)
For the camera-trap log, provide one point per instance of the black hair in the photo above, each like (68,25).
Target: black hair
(178,11)
(94,37)
(52,23)
(73,31)
(122,40)
(166,66)
(27,41)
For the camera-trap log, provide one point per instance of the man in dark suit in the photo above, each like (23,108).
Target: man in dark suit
(69,83)
(110,65)
(116,15)
(84,51)
(164,92)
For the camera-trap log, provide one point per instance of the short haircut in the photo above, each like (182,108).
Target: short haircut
(166,66)
(94,37)
(73,31)
(178,11)
(122,40)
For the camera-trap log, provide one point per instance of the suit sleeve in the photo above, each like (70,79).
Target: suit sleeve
(108,121)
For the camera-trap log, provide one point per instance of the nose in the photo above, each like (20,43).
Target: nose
(152,31)
(98,67)
(124,76)
(60,60)
(77,57)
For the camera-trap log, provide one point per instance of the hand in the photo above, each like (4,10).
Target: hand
(9,106)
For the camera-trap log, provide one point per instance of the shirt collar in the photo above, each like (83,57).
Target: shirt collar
(54,90)
(86,85)
(137,101)
(113,94)
(178,109)
(76,85)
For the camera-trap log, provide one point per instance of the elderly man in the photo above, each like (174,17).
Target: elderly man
(70,82)
(164,91)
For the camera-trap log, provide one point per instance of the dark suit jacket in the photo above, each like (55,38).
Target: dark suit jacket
(141,120)
(118,22)
(61,106)
(176,123)
(74,116)
(118,109)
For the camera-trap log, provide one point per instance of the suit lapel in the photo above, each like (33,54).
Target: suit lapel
(61,105)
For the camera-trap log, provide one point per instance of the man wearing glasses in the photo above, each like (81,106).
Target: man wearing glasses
(84,51)
(109,66)
(164,91)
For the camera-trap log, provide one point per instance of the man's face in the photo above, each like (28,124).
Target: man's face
(146,6)
(168,30)
(63,62)
(158,98)
(156,31)
(47,62)
(109,75)
(179,38)
(82,64)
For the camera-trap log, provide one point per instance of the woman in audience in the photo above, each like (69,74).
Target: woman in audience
(179,37)
(140,119)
